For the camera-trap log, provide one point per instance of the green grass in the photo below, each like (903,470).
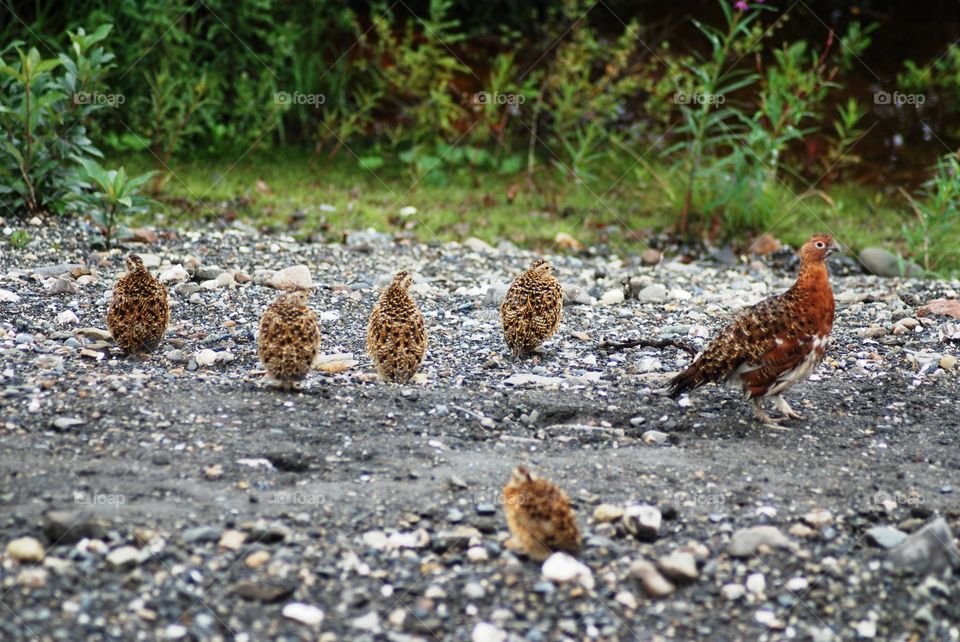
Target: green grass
(493,207)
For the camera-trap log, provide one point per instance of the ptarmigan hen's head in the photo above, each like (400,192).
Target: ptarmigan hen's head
(541,267)
(521,474)
(296,297)
(818,248)
(135,264)
(402,280)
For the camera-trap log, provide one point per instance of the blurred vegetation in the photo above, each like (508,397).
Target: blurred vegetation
(522,119)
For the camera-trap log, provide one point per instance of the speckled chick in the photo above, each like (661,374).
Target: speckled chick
(532,308)
(139,312)
(396,335)
(775,344)
(539,515)
(289,338)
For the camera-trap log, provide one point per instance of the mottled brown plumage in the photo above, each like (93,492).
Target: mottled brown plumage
(139,312)
(396,335)
(289,338)
(776,343)
(532,309)
(539,515)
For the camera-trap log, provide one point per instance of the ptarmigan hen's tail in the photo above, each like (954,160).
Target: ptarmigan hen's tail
(689,379)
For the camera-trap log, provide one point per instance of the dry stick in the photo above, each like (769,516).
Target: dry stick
(613,346)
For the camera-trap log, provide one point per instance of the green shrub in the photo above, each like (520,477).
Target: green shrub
(109,198)
(936,215)
(45,110)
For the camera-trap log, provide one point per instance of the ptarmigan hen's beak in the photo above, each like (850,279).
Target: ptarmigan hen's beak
(834,247)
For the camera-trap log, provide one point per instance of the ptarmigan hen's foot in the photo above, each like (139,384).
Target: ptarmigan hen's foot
(763,417)
(785,409)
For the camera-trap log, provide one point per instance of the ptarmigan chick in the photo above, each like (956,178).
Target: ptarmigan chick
(139,312)
(532,308)
(539,515)
(396,335)
(289,338)
(775,344)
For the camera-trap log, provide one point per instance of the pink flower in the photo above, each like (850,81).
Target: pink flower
(741,5)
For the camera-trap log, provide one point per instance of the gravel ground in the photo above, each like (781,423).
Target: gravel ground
(171,499)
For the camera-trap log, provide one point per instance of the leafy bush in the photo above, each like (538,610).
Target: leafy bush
(45,111)
(109,198)
(937,214)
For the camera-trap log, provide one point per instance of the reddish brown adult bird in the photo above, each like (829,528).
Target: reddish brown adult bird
(139,312)
(775,344)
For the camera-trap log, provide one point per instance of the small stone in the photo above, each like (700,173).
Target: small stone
(200,534)
(883,263)
(654,437)
(653,583)
(561,568)
(66,317)
(477,245)
(62,286)
(680,566)
(212,473)
(32,577)
(124,558)
(303,613)
(607,513)
(206,357)
(174,274)
(733,592)
(296,277)
(612,297)
(931,549)
(797,584)
(756,583)
(885,536)
(477,554)
(486,632)
(655,293)
(175,632)
(867,629)
(818,518)
(949,362)
(232,540)
(257,559)
(643,521)
(747,541)
(66,423)
(474,590)
(25,549)
(650,256)
(6,296)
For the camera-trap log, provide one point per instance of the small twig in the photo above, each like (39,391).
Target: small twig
(613,346)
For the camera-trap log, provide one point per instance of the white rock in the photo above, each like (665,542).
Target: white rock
(756,583)
(680,566)
(655,293)
(211,284)
(486,632)
(6,296)
(733,591)
(67,316)
(25,549)
(522,379)
(561,568)
(303,613)
(175,632)
(477,554)
(409,210)
(174,274)
(123,557)
(612,297)
(797,584)
(226,280)
(477,245)
(206,357)
(295,277)
(150,260)
(643,521)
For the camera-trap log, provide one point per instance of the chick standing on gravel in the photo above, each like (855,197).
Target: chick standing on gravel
(139,312)
(539,515)
(396,335)
(289,338)
(532,308)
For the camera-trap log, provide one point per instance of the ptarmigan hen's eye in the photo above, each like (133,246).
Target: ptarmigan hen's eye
(820,245)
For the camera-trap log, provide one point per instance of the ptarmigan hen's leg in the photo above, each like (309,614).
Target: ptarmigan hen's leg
(785,409)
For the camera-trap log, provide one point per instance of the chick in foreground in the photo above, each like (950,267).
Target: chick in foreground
(539,515)
(775,344)
(532,309)
(139,312)
(396,334)
(289,338)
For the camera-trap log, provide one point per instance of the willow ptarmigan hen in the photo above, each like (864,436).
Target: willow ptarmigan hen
(532,308)
(539,515)
(139,312)
(775,344)
(396,335)
(289,338)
